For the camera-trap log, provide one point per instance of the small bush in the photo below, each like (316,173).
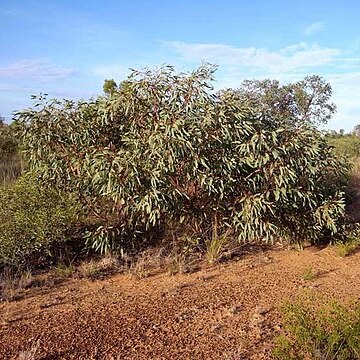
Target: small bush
(34,222)
(328,332)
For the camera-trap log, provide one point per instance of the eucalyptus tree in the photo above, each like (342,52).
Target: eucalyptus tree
(164,151)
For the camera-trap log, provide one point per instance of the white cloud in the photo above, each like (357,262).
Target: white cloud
(314,28)
(36,69)
(291,58)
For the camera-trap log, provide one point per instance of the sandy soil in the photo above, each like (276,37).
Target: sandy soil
(228,311)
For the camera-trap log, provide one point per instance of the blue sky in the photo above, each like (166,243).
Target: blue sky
(67,48)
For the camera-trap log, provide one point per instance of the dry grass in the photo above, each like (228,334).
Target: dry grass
(353,192)
(12,285)
(172,260)
(138,266)
(30,354)
(64,270)
(92,269)
(10,170)
(354,181)
(179,264)
(140,269)
(348,248)
(97,268)
(146,263)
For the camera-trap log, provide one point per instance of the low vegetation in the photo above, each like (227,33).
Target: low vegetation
(13,284)
(327,332)
(308,274)
(35,223)
(349,247)
(347,145)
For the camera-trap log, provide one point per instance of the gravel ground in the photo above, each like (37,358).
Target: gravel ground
(228,311)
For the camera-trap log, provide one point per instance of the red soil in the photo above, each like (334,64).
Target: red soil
(229,311)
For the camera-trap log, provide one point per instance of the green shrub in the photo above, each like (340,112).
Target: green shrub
(34,221)
(162,149)
(324,333)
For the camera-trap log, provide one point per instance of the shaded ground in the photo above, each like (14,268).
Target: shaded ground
(229,311)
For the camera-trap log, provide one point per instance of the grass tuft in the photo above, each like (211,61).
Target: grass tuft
(13,284)
(308,274)
(348,248)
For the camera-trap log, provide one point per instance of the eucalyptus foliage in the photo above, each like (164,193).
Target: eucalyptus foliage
(164,149)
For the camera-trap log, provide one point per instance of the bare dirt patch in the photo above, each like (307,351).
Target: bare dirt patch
(228,311)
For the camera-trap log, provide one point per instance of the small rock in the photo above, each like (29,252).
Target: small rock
(217,327)
(261,310)
(234,310)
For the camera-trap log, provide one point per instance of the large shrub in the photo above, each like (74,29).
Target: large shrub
(162,149)
(34,221)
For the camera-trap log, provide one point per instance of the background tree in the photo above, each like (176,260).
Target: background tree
(303,102)
(109,86)
(11,164)
(8,140)
(356,130)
